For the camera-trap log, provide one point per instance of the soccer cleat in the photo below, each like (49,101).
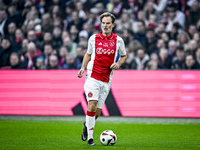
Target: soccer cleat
(84,133)
(91,142)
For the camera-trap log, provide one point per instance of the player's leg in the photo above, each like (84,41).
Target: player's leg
(104,91)
(98,113)
(90,120)
(91,88)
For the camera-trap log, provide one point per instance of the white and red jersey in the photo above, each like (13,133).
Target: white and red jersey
(104,50)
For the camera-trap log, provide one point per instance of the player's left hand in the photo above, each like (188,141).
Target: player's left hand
(114,66)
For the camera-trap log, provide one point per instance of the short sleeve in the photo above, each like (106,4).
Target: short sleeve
(121,47)
(90,43)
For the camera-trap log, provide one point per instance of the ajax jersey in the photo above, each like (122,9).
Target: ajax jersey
(104,52)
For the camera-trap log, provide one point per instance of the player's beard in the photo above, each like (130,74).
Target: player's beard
(107,31)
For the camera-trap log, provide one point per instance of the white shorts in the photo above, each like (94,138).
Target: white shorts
(96,90)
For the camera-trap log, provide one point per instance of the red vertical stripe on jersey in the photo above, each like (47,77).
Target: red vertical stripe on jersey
(105,49)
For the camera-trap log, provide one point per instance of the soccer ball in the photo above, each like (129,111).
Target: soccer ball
(108,137)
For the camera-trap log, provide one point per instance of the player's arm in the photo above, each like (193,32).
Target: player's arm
(86,59)
(120,62)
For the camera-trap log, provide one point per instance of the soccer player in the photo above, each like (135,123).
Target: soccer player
(100,61)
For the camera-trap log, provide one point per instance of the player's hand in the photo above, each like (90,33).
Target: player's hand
(80,72)
(114,66)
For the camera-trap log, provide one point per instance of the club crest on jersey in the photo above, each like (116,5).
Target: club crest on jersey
(90,94)
(112,43)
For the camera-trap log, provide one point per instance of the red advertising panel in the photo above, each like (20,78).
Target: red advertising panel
(134,93)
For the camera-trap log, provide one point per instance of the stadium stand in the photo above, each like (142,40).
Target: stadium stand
(158,34)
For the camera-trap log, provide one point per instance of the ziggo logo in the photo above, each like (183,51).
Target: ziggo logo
(104,51)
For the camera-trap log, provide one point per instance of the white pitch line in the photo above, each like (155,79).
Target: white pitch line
(103,119)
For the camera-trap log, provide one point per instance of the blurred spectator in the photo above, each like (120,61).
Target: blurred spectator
(68,12)
(47,25)
(183,39)
(11,31)
(31,36)
(159,45)
(130,57)
(164,59)
(55,11)
(140,61)
(65,34)
(15,61)
(24,51)
(53,62)
(125,20)
(175,16)
(32,54)
(47,38)
(39,65)
(192,29)
(118,6)
(57,33)
(78,22)
(178,61)
(70,62)
(193,13)
(165,37)
(152,21)
(14,15)
(134,46)
(174,31)
(63,51)
(70,45)
(152,64)
(42,7)
(4,21)
(192,47)
(17,44)
(93,18)
(140,33)
(74,33)
(5,51)
(149,9)
(160,29)
(32,15)
(48,50)
(89,28)
(128,36)
(140,16)
(81,11)
(160,5)
(196,37)
(151,40)
(172,48)
(190,63)
(79,58)
(83,35)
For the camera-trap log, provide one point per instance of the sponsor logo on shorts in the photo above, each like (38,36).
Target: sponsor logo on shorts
(90,94)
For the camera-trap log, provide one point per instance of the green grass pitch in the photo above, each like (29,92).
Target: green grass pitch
(66,135)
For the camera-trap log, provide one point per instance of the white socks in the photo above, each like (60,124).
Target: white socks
(90,123)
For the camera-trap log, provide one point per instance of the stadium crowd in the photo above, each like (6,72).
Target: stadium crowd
(53,34)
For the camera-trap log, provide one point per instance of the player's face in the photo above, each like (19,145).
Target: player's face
(107,25)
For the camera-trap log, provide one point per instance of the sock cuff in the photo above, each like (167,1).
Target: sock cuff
(91,114)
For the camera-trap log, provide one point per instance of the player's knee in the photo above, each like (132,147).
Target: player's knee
(92,106)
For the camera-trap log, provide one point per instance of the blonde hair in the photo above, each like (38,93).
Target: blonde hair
(107,14)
